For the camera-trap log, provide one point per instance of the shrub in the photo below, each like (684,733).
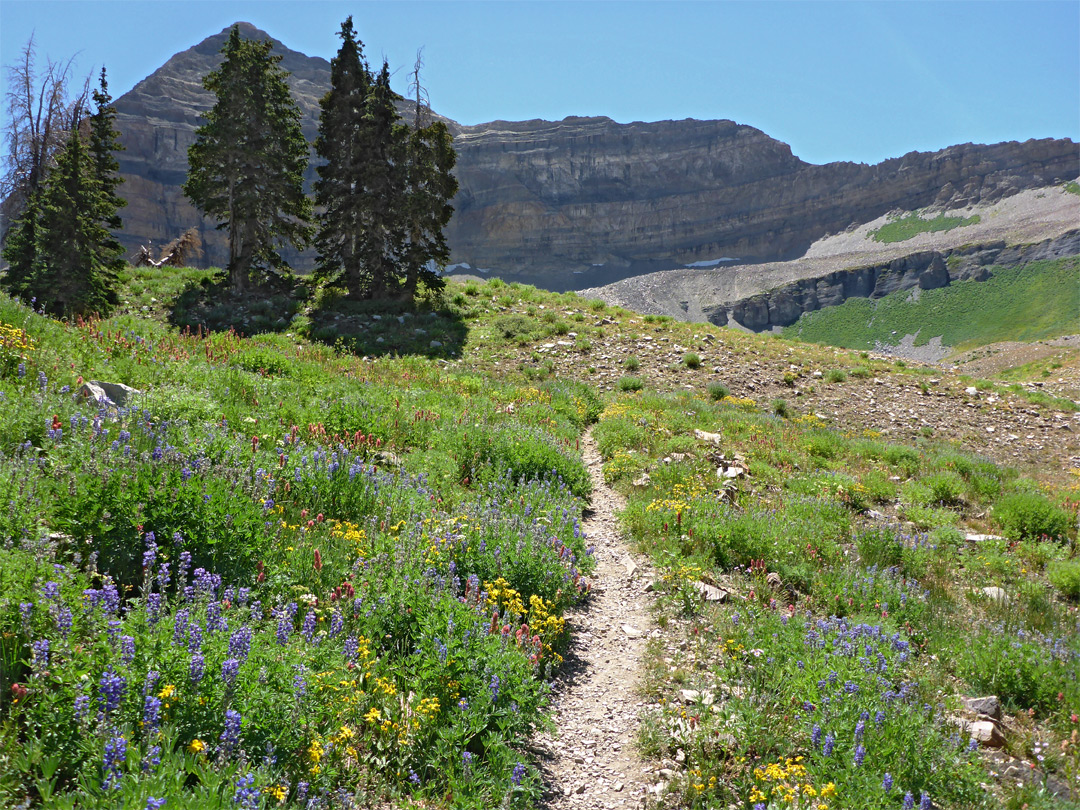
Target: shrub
(880,547)
(631,384)
(860,372)
(835,375)
(632,364)
(1029,516)
(514,327)
(903,458)
(691,360)
(782,409)
(717,391)
(946,488)
(1065,576)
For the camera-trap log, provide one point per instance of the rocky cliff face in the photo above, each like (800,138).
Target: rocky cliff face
(925,270)
(587,201)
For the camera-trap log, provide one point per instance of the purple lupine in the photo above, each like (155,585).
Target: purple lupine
(151,714)
(149,556)
(154,804)
(152,760)
(214,620)
(155,603)
(240,643)
(180,626)
(183,566)
(111,690)
(115,756)
(284,626)
(860,728)
(256,611)
(517,774)
(110,597)
(301,791)
(299,683)
(887,782)
(337,624)
(229,669)
(39,654)
(815,735)
(830,741)
(308,628)
(247,795)
(909,801)
(242,596)
(112,630)
(198,667)
(925,803)
(163,576)
(352,646)
(195,637)
(150,684)
(230,737)
(51,591)
(127,650)
(860,755)
(493,687)
(82,705)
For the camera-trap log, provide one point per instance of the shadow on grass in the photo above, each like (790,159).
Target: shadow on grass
(428,326)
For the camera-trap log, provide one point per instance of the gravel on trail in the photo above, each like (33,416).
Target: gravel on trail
(591,761)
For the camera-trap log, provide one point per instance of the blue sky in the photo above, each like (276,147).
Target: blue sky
(860,81)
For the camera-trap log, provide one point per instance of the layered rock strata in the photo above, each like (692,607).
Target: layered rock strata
(587,201)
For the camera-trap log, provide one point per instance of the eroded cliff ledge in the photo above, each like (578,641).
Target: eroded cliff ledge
(587,201)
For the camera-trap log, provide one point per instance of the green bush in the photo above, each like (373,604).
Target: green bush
(691,360)
(717,391)
(631,384)
(835,375)
(879,488)
(1065,576)
(632,364)
(1030,516)
(905,459)
(946,488)
(781,408)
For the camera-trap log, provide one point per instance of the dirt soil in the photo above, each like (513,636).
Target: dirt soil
(591,760)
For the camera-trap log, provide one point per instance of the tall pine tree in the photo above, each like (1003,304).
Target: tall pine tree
(248,160)
(343,142)
(384,190)
(61,252)
(104,143)
(68,274)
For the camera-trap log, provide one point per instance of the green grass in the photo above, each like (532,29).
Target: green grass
(912,225)
(1036,301)
(1072,187)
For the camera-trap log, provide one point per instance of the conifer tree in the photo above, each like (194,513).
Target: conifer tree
(430,185)
(383,178)
(104,143)
(343,142)
(68,274)
(248,159)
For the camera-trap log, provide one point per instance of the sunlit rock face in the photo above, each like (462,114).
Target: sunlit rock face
(587,201)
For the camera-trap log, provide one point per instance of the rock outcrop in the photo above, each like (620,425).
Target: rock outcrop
(925,270)
(588,201)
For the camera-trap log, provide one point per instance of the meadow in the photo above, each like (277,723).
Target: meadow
(328,566)
(1033,302)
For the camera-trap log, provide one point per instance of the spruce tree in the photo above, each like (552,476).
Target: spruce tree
(104,143)
(383,179)
(68,274)
(430,185)
(343,143)
(248,159)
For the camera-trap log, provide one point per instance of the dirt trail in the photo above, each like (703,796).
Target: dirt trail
(590,761)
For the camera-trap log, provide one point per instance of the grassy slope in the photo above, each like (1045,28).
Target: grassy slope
(797,512)
(900,230)
(1038,300)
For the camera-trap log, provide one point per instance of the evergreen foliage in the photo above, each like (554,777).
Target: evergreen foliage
(384,190)
(248,160)
(61,252)
(342,143)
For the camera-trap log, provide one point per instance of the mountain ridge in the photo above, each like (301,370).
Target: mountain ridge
(586,201)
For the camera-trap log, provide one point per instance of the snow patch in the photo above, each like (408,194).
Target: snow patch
(711,262)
